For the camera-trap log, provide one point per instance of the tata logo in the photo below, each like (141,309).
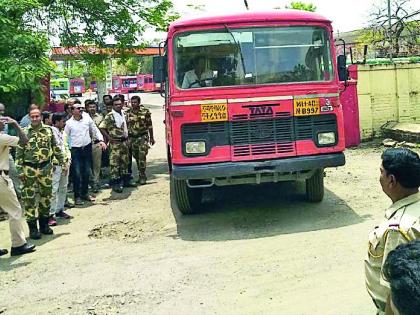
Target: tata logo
(261,110)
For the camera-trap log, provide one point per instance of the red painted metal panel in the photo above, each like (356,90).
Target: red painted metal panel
(350,105)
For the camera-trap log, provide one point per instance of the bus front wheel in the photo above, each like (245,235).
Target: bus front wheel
(315,186)
(188,200)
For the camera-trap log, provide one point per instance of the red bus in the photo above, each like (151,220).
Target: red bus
(251,98)
(145,83)
(77,87)
(124,84)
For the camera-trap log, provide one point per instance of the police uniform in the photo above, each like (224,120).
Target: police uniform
(34,161)
(8,199)
(402,225)
(118,159)
(139,124)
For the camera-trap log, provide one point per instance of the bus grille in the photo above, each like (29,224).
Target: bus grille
(255,137)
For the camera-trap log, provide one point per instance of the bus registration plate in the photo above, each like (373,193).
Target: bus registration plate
(306,106)
(214,112)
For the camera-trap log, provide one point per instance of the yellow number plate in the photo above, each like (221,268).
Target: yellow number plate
(214,112)
(306,106)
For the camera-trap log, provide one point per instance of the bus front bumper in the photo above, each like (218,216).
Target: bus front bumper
(230,169)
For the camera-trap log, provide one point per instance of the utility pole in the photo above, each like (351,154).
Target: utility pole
(389,30)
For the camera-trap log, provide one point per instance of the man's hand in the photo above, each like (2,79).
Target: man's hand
(152,141)
(9,120)
(103,145)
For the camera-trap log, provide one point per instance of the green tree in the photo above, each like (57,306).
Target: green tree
(404,28)
(23,58)
(298,5)
(27,27)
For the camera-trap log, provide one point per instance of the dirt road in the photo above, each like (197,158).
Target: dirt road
(252,250)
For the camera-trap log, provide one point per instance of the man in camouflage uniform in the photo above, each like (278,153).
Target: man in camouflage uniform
(34,164)
(114,127)
(140,131)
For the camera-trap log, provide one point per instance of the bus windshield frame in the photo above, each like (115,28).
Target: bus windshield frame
(252,56)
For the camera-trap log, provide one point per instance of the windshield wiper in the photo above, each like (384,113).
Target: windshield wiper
(239,46)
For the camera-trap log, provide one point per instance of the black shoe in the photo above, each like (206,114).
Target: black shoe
(127,181)
(117,188)
(79,202)
(21,250)
(44,228)
(69,205)
(88,198)
(130,184)
(3,252)
(33,230)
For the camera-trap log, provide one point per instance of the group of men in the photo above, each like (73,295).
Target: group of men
(51,148)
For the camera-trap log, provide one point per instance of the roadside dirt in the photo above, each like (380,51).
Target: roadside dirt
(252,249)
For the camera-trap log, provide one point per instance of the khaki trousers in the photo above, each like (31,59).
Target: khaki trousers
(10,204)
(96,162)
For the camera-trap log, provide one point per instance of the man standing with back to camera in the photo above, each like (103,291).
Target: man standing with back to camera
(400,181)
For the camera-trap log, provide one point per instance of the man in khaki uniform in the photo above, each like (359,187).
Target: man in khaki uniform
(96,146)
(400,181)
(8,198)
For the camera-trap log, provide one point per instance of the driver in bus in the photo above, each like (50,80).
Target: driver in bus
(199,76)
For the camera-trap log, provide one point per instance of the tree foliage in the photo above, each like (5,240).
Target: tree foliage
(29,26)
(298,5)
(23,58)
(404,31)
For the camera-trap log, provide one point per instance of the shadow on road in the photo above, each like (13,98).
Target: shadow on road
(156,168)
(7,264)
(254,211)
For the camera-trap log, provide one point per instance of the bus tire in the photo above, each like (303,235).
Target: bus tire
(188,200)
(315,186)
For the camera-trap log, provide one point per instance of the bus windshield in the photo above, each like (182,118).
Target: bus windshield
(251,56)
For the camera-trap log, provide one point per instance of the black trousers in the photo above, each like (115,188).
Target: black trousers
(81,159)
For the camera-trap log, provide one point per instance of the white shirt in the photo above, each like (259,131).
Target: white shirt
(79,131)
(191,77)
(6,141)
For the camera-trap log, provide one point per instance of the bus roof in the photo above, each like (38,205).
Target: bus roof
(247,17)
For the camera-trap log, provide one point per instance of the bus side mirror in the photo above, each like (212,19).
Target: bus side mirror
(159,69)
(342,68)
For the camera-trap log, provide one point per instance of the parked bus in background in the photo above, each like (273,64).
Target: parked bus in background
(77,87)
(124,84)
(251,98)
(145,83)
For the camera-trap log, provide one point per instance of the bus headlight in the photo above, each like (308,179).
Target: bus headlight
(326,138)
(196,147)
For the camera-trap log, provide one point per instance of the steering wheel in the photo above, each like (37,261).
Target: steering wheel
(200,82)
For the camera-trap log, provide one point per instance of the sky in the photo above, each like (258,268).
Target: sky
(347,15)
